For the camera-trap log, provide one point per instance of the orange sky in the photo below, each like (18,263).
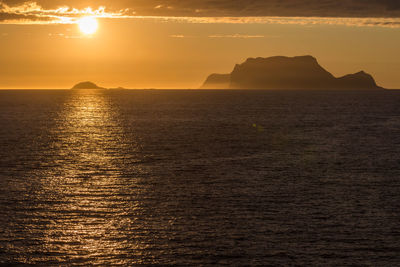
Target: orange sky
(165,52)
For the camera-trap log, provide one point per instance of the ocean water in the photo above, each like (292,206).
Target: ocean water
(200,177)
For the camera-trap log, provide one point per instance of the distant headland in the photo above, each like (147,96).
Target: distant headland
(281,72)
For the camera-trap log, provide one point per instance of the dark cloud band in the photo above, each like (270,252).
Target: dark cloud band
(332,8)
(211,8)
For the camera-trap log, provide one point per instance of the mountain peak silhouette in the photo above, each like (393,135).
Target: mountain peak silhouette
(280,72)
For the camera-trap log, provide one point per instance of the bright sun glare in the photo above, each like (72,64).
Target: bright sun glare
(88,25)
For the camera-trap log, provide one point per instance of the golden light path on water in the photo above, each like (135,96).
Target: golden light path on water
(93,207)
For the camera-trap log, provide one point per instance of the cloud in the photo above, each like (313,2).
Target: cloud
(310,21)
(31,13)
(240,36)
(392,4)
(234,8)
(177,36)
(381,13)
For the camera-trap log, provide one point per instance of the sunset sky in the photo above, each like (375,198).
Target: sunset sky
(176,44)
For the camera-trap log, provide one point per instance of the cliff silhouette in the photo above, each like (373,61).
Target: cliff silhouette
(217,81)
(281,72)
(86,85)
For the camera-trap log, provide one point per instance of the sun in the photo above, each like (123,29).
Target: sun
(88,25)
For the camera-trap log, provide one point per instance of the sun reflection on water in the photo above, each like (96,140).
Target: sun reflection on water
(94,205)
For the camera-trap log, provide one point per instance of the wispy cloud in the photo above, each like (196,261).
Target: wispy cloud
(355,22)
(177,36)
(240,36)
(32,13)
(69,36)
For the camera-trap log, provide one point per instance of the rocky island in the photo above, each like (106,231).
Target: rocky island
(281,72)
(86,85)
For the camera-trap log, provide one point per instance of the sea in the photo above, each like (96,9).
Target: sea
(199,177)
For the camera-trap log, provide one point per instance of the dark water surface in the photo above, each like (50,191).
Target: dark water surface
(200,177)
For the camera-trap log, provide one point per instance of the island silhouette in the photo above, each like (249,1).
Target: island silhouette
(91,85)
(280,72)
(86,85)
